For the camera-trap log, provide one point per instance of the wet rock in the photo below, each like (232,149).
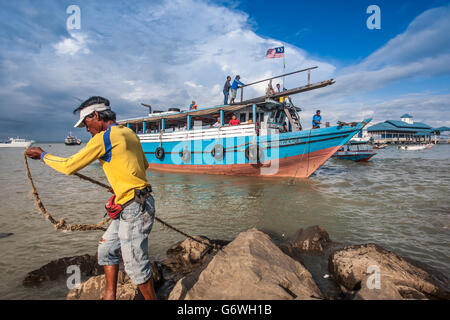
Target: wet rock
(250,267)
(185,256)
(94,289)
(4,235)
(356,268)
(312,239)
(58,268)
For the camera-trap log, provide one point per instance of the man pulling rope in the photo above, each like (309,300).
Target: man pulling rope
(131,208)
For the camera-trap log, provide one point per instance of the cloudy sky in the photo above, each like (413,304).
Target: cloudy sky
(166,53)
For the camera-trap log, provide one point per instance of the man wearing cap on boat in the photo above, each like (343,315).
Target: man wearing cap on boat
(131,208)
(234,88)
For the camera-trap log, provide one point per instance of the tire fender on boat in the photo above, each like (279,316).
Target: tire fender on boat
(254,153)
(159,153)
(185,155)
(217,151)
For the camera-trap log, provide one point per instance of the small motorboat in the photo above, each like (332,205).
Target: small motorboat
(356,151)
(71,140)
(414,147)
(380,146)
(16,143)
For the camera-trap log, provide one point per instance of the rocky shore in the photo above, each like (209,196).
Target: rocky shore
(309,265)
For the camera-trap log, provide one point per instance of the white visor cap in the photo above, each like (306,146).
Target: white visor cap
(87,111)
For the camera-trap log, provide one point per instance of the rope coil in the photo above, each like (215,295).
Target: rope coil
(62,225)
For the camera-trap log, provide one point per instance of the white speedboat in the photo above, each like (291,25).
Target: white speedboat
(16,143)
(414,147)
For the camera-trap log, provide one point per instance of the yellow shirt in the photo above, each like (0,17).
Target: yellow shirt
(121,157)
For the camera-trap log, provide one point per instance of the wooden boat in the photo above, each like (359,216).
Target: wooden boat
(269,141)
(71,140)
(355,151)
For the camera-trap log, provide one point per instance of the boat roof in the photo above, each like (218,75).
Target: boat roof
(181,114)
(263,100)
(153,117)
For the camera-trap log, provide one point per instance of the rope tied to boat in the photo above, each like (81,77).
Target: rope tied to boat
(62,225)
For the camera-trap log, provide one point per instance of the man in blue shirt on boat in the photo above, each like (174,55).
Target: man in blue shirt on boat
(316,120)
(234,88)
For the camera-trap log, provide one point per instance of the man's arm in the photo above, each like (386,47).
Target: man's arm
(93,150)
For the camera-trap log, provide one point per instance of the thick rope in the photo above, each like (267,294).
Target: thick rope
(61,224)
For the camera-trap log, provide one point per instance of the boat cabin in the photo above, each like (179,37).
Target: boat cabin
(268,117)
(356,146)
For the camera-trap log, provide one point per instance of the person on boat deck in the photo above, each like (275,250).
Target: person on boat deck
(278,87)
(269,89)
(234,121)
(217,124)
(226,90)
(234,88)
(131,208)
(316,120)
(193,106)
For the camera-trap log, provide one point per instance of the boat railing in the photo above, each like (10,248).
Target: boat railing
(276,77)
(203,134)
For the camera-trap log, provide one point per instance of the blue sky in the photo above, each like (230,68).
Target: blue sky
(167,53)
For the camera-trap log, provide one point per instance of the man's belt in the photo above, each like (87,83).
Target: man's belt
(114,209)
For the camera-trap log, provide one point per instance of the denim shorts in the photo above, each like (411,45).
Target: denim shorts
(129,234)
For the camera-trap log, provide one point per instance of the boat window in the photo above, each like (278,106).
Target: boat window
(242,117)
(260,117)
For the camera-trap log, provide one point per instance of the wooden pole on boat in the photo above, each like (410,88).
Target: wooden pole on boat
(280,76)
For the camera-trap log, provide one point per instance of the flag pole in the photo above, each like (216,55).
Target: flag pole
(284,64)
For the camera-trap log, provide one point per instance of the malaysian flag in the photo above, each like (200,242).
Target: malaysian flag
(275,53)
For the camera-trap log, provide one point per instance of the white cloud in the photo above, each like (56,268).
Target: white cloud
(71,46)
(168,53)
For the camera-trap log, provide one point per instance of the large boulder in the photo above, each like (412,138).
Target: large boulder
(314,239)
(58,268)
(250,267)
(356,268)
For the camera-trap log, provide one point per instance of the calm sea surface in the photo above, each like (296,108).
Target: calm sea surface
(400,200)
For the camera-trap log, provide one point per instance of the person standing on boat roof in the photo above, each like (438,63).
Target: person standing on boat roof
(131,208)
(269,89)
(193,106)
(278,87)
(226,90)
(316,120)
(234,88)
